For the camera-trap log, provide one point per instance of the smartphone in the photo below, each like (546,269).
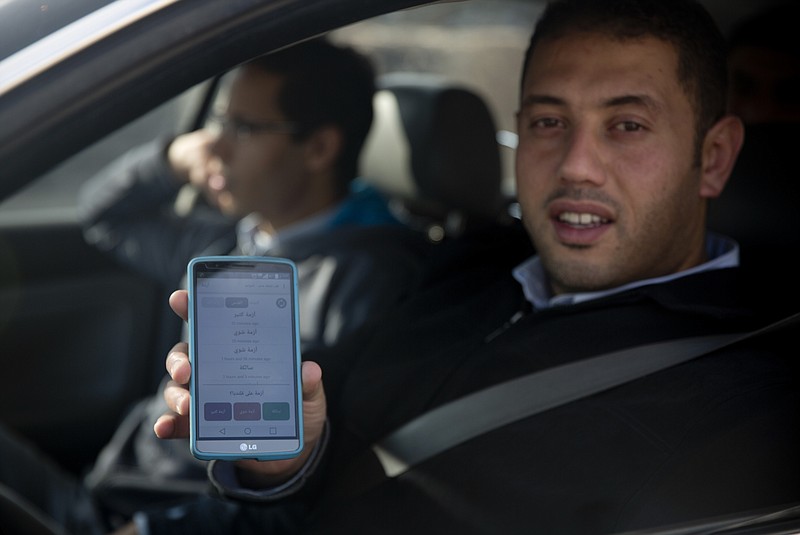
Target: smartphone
(244,347)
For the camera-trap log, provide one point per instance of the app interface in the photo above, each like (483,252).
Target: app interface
(245,345)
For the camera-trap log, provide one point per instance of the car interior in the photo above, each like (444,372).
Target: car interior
(433,150)
(415,116)
(84,338)
(92,303)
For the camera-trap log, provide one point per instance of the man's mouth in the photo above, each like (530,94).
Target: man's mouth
(581,219)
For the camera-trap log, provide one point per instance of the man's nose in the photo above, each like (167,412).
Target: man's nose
(582,161)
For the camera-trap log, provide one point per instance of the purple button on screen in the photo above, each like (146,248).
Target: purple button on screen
(217,412)
(246,411)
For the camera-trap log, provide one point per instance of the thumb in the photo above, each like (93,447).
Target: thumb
(314,402)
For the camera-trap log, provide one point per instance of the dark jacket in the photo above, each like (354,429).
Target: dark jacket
(715,436)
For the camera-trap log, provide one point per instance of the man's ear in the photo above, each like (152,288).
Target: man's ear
(323,148)
(720,149)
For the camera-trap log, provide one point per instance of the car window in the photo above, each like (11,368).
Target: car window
(478,44)
(443,41)
(53,195)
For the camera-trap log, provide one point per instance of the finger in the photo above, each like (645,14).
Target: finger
(178,365)
(179,302)
(312,380)
(177,398)
(314,402)
(198,177)
(171,426)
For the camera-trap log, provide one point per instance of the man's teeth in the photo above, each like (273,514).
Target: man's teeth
(575,218)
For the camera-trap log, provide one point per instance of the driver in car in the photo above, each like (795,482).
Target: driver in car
(279,167)
(623,140)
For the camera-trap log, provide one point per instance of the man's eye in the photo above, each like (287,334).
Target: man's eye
(242,127)
(546,122)
(628,126)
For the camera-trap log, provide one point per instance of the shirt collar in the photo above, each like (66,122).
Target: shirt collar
(364,205)
(253,241)
(722,252)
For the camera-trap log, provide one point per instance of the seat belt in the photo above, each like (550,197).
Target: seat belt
(470,416)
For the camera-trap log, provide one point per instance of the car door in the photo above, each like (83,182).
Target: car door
(81,335)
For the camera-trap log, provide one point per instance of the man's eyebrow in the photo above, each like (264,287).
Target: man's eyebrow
(623,100)
(530,100)
(636,100)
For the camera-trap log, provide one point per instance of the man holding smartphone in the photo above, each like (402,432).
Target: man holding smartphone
(624,137)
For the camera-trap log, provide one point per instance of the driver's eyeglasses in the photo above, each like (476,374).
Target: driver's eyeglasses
(242,130)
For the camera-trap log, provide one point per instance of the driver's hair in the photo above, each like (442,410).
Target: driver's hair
(326,84)
(701,47)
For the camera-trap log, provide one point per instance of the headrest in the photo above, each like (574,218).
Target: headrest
(758,206)
(434,145)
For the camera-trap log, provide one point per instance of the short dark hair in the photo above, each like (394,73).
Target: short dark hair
(326,84)
(701,47)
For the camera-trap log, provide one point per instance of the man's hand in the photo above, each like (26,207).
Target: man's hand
(193,161)
(176,423)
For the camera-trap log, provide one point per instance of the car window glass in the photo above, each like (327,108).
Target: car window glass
(53,195)
(438,39)
(478,44)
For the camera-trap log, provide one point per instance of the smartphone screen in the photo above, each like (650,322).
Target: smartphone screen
(244,349)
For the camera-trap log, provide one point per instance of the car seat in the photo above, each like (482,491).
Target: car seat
(758,207)
(433,149)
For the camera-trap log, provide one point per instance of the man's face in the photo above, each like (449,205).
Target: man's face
(264,171)
(606,172)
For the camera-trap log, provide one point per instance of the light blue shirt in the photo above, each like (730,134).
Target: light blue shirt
(364,206)
(722,252)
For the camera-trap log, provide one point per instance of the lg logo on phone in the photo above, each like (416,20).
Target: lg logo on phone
(246,447)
